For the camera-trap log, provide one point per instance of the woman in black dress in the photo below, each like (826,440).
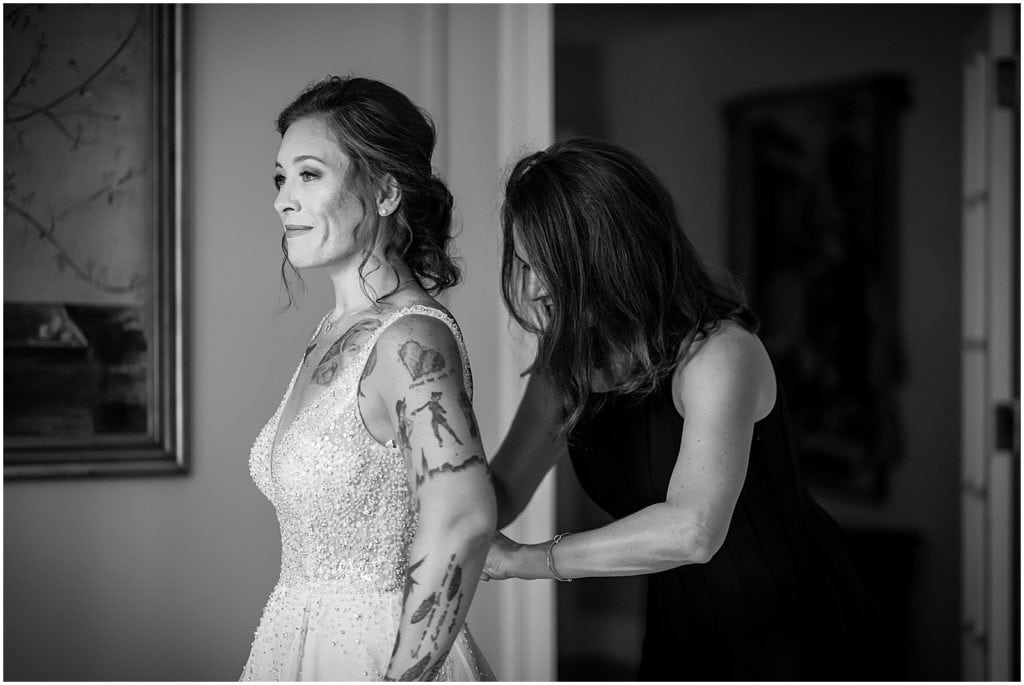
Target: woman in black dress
(652,379)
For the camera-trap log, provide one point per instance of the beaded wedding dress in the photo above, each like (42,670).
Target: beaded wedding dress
(347,518)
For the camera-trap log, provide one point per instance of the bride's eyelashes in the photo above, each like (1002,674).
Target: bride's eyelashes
(306,175)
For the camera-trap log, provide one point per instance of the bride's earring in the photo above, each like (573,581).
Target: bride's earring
(387,206)
(388,197)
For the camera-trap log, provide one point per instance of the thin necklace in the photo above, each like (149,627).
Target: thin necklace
(326,324)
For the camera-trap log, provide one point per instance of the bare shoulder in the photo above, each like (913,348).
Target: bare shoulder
(729,364)
(420,347)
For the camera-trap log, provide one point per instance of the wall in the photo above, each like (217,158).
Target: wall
(663,89)
(164,579)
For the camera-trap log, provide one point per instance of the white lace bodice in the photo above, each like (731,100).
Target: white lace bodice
(345,507)
(343,499)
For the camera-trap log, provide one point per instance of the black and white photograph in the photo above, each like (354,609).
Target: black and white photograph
(511,342)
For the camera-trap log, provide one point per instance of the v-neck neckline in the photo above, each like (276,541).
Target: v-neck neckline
(278,433)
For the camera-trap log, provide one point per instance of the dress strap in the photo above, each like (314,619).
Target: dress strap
(433,312)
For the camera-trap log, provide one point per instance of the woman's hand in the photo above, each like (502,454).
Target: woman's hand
(500,564)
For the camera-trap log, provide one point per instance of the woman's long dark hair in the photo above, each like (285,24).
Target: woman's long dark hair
(627,287)
(384,133)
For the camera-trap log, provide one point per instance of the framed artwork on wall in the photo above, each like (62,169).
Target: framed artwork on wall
(93,245)
(814,237)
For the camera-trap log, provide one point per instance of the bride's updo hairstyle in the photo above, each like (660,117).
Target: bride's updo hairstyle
(627,289)
(383,133)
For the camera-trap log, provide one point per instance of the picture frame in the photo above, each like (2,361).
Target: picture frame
(813,192)
(94,245)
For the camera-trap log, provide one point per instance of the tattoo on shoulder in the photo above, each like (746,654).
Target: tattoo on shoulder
(447,467)
(424,364)
(419,360)
(350,340)
(348,343)
(371,362)
(328,366)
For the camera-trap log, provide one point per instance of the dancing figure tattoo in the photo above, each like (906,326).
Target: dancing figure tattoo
(437,417)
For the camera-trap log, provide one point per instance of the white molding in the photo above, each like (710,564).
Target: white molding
(525,122)
(990,486)
(973,362)
(1003,35)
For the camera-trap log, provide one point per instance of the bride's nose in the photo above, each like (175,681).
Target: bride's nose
(285,202)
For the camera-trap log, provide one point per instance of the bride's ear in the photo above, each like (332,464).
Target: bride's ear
(389,196)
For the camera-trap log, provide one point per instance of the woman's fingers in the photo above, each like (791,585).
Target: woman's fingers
(494,566)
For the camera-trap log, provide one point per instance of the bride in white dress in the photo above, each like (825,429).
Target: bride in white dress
(373,460)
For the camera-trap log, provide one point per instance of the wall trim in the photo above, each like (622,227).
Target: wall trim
(525,122)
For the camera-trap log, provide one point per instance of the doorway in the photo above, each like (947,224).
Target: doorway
(654,79)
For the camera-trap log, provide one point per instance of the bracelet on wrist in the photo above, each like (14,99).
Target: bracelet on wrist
(551,559)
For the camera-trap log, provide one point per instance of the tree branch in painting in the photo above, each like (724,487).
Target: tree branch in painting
(88,271)
(18,113)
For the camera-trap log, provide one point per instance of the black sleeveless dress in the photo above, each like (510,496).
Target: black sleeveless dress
(779,601)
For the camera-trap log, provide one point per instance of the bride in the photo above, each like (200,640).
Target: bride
(373,459)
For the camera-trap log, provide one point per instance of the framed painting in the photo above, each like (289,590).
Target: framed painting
(813,193)
(93,321)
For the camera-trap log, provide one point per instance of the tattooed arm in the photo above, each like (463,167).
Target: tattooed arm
(723,388)
(530,449)
(420,377)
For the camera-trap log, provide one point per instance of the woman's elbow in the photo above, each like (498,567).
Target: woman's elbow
(692,545)
(703,545)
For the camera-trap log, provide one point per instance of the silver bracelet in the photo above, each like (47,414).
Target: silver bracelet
(551,561)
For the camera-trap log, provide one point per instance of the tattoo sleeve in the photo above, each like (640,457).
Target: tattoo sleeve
(437,432)
(428,630)
(425,471)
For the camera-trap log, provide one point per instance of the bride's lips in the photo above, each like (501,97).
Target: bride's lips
(296,229)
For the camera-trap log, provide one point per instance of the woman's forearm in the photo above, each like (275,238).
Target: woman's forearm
(530,449)
(507,510)
(444,568)
(658,538)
